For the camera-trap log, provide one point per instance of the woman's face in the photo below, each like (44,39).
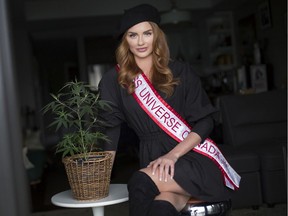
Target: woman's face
(140,40)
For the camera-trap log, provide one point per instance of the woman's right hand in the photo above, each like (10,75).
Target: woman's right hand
(164,165)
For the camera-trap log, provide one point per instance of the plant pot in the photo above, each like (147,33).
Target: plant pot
(89,179)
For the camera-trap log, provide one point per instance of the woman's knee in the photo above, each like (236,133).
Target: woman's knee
(139,177)
(141,181)
(170,186)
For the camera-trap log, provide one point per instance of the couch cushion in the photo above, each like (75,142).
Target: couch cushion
(241,161)
(269,157)
(266,107)
(256,119)
(260,135)
(272,158)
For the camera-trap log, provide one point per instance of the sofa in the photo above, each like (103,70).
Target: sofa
(254,129)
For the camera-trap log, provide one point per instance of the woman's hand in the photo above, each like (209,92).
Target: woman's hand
(165,165)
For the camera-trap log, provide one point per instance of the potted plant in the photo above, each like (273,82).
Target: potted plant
(76,109)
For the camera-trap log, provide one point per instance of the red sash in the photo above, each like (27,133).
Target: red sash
(176,127)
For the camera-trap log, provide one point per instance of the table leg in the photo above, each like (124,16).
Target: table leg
(98,211)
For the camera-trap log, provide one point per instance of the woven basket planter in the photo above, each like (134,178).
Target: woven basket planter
(89,179)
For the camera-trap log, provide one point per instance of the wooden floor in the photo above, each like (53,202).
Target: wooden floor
(122,210)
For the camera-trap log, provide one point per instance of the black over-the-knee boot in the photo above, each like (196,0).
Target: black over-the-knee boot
(142,191)
(162,208)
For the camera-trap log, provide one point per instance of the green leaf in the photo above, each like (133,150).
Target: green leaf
(76,108)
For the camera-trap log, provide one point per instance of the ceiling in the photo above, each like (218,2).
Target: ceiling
(66,18)
(51,9)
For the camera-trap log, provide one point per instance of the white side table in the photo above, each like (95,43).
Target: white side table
(117,194)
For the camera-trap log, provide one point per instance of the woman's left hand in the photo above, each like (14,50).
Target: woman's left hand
(165,165)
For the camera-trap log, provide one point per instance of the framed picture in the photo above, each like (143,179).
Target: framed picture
(259,78)
(265,15)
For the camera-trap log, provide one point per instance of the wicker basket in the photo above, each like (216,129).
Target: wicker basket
(89,179)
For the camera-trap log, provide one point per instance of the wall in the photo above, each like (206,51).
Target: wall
(273,40)
(56,42)
(14,197)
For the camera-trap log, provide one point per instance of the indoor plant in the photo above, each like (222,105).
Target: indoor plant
(76,109)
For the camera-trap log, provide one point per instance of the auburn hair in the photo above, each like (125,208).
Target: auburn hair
(162,77)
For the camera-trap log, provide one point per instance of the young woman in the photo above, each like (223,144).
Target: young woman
(171,172)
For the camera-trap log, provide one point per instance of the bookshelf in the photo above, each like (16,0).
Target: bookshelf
(221,55)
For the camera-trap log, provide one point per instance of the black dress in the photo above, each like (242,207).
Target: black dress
(195,173)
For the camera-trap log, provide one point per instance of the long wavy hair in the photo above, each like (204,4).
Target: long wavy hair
(162,77)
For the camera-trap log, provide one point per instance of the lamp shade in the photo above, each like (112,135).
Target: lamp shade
(175,16)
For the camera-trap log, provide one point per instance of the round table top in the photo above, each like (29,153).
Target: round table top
(118,193)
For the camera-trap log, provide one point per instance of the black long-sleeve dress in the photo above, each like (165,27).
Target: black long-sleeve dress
(195,173)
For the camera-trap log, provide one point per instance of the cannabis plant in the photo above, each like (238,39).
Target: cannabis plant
(76,109)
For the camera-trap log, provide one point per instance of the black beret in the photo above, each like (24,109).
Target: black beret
(138,14)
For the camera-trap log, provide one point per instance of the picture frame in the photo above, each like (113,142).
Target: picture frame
(258,75)
(265,15)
